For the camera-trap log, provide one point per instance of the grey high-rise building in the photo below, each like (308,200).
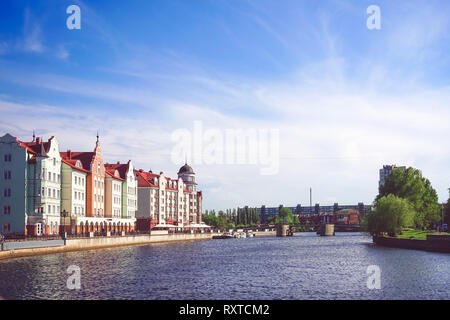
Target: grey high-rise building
(385,172)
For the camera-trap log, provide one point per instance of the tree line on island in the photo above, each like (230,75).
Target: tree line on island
(245,217)
(406,201)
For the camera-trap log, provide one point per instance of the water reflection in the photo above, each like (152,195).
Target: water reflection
(305,266)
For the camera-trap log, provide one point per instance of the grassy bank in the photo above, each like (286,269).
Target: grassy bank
(417,234)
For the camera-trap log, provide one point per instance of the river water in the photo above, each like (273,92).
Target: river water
(305,266)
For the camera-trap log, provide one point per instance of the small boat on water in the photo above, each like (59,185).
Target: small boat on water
(229,235)
(224,236)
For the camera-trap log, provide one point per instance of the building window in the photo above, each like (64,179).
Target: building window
(6,227)
(7,192)
(7,175)
(7,210)
(39,229)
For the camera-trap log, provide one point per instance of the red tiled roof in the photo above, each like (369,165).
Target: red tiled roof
(111,172)
(72,164)
(121,167)
(85,157)
(144,177)
(34,146)
(37,145)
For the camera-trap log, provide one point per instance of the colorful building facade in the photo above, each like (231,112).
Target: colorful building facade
(129,187)
(45,191)
(31,184)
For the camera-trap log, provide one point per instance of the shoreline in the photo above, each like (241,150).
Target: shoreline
(433,243)
(82,244)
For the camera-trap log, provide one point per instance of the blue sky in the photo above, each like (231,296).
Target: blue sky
(346,99)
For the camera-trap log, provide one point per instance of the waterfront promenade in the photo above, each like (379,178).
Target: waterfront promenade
(89,243)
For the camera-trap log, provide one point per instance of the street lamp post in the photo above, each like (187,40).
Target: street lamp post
(63,223)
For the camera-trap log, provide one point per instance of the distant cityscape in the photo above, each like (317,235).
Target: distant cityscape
(266,212)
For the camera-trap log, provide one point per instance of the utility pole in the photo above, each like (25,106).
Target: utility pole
(310,197)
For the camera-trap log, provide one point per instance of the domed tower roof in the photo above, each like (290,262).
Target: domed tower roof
(186,169)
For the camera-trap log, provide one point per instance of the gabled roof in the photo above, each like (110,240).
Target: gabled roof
(112,173)
(86,158)
(72,164)
(144,178)
(38,146)
(121,167)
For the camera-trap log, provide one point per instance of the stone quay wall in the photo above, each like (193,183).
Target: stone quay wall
(77,244)
(434,243)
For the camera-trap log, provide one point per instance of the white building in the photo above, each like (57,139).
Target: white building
(166,202)
(44,211)
(129,197)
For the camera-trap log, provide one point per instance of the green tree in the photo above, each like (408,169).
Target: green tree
(447,210)
(285,215)
(391,214)
(409,184)
(210,220)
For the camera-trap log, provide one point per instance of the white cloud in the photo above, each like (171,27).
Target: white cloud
(32,34)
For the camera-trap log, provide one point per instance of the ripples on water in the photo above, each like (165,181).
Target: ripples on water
(305,266)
